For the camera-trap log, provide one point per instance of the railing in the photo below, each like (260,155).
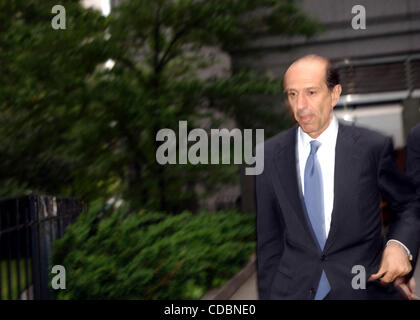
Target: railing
(28,227)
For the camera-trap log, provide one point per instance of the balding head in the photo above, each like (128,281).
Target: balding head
(331,73)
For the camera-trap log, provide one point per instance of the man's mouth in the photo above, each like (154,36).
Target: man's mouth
(306,118)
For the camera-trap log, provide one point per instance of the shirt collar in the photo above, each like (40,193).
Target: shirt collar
(328,137)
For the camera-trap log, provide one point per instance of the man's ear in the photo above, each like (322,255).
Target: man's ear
(335,94)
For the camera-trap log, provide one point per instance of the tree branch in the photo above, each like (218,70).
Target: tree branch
(165,58)
(157,40)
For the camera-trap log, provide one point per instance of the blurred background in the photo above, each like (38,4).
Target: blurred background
(80,108)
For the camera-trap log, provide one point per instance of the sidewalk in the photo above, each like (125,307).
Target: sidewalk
(248,291)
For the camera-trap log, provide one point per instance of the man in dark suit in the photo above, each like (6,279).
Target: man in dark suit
(318,201)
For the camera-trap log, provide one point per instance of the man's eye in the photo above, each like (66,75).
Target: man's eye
(292,94)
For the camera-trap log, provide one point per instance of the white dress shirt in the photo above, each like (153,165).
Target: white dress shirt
(326,159)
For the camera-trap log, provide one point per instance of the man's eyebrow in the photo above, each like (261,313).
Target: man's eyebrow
(287,90)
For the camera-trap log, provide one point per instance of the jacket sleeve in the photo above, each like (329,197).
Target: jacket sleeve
(413,157)
(399,191)
(270,233)
(413,167)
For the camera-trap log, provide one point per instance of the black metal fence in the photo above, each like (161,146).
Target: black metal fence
(28,227)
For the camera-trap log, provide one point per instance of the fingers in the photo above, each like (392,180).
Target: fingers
(377,275)
(412,284)
(414,297)
(406,288)
(387,275)
(399,280)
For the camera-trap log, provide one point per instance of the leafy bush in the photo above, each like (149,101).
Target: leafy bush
(147,255)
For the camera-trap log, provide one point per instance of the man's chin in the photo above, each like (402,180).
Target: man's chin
(308,128)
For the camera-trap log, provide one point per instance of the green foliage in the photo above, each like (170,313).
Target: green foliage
(150,255)
(71,127)
(43,92)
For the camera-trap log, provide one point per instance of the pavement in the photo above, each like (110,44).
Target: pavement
(248,290)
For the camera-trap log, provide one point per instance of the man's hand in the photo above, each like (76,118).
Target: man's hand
(406,288)
(394,264)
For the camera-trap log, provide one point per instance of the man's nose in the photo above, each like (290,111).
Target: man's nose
(301,102)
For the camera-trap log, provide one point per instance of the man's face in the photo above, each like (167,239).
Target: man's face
(308,96)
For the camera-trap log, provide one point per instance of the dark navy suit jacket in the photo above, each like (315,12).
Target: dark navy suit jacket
(413,156)
(289,260)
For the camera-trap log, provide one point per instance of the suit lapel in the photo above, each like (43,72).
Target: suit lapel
(285,163)
(345,179)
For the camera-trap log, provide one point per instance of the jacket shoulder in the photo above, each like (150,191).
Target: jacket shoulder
(365,136)
(414,134)
(280,139)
